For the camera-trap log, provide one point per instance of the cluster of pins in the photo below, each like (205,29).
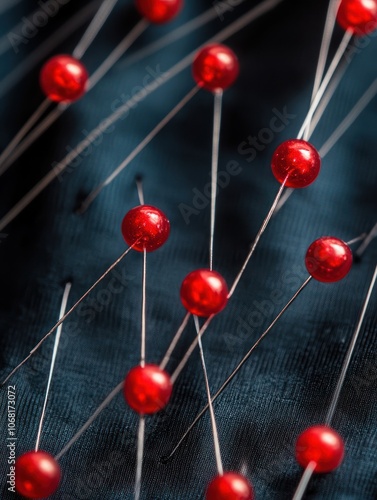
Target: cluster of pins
(204,293)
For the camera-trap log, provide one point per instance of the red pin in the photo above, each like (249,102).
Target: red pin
(215,67)
(147,389)
(229,486)
(323,446)
(159,11)
(358,16)
(63,78)
(204,292)
(37,474)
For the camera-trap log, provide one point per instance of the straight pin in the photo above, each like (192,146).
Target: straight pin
(94,28)
(215,433)
(368,240)
(139,456)
(63,308)
(218,96)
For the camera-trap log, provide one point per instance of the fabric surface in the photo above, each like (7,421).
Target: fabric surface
(287,384)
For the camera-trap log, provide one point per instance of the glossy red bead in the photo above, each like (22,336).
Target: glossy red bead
(147,389)
(328,259)
(215,67)
(359,16)
(297,161)
(63,79)
(159,11)
(145,227)
(204,292)
(37,474)
(230,486)
(322,445)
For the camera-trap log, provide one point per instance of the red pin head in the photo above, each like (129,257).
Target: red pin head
(204,292)
(159,11)
(215,67)
(229,486)
(328,259)
(296,162)
(359,16)
(63,78)
(145,227)
(37,474)
(147,389)
(322,445)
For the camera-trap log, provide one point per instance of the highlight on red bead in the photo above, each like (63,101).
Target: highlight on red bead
(159,11)
(322,445)
(147,389)
(204,292)
(145,227)
(359,16)
(37,474)
(215,67)
(230,486)
(297,162)
(328,259)
(63,78)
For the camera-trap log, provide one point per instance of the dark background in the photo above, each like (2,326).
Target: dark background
(287,384)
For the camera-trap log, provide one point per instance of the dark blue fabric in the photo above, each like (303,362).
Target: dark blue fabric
(287,384)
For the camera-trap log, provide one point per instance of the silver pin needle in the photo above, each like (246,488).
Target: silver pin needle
(368,240)
(53,360)
(218,97)
(215,433)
